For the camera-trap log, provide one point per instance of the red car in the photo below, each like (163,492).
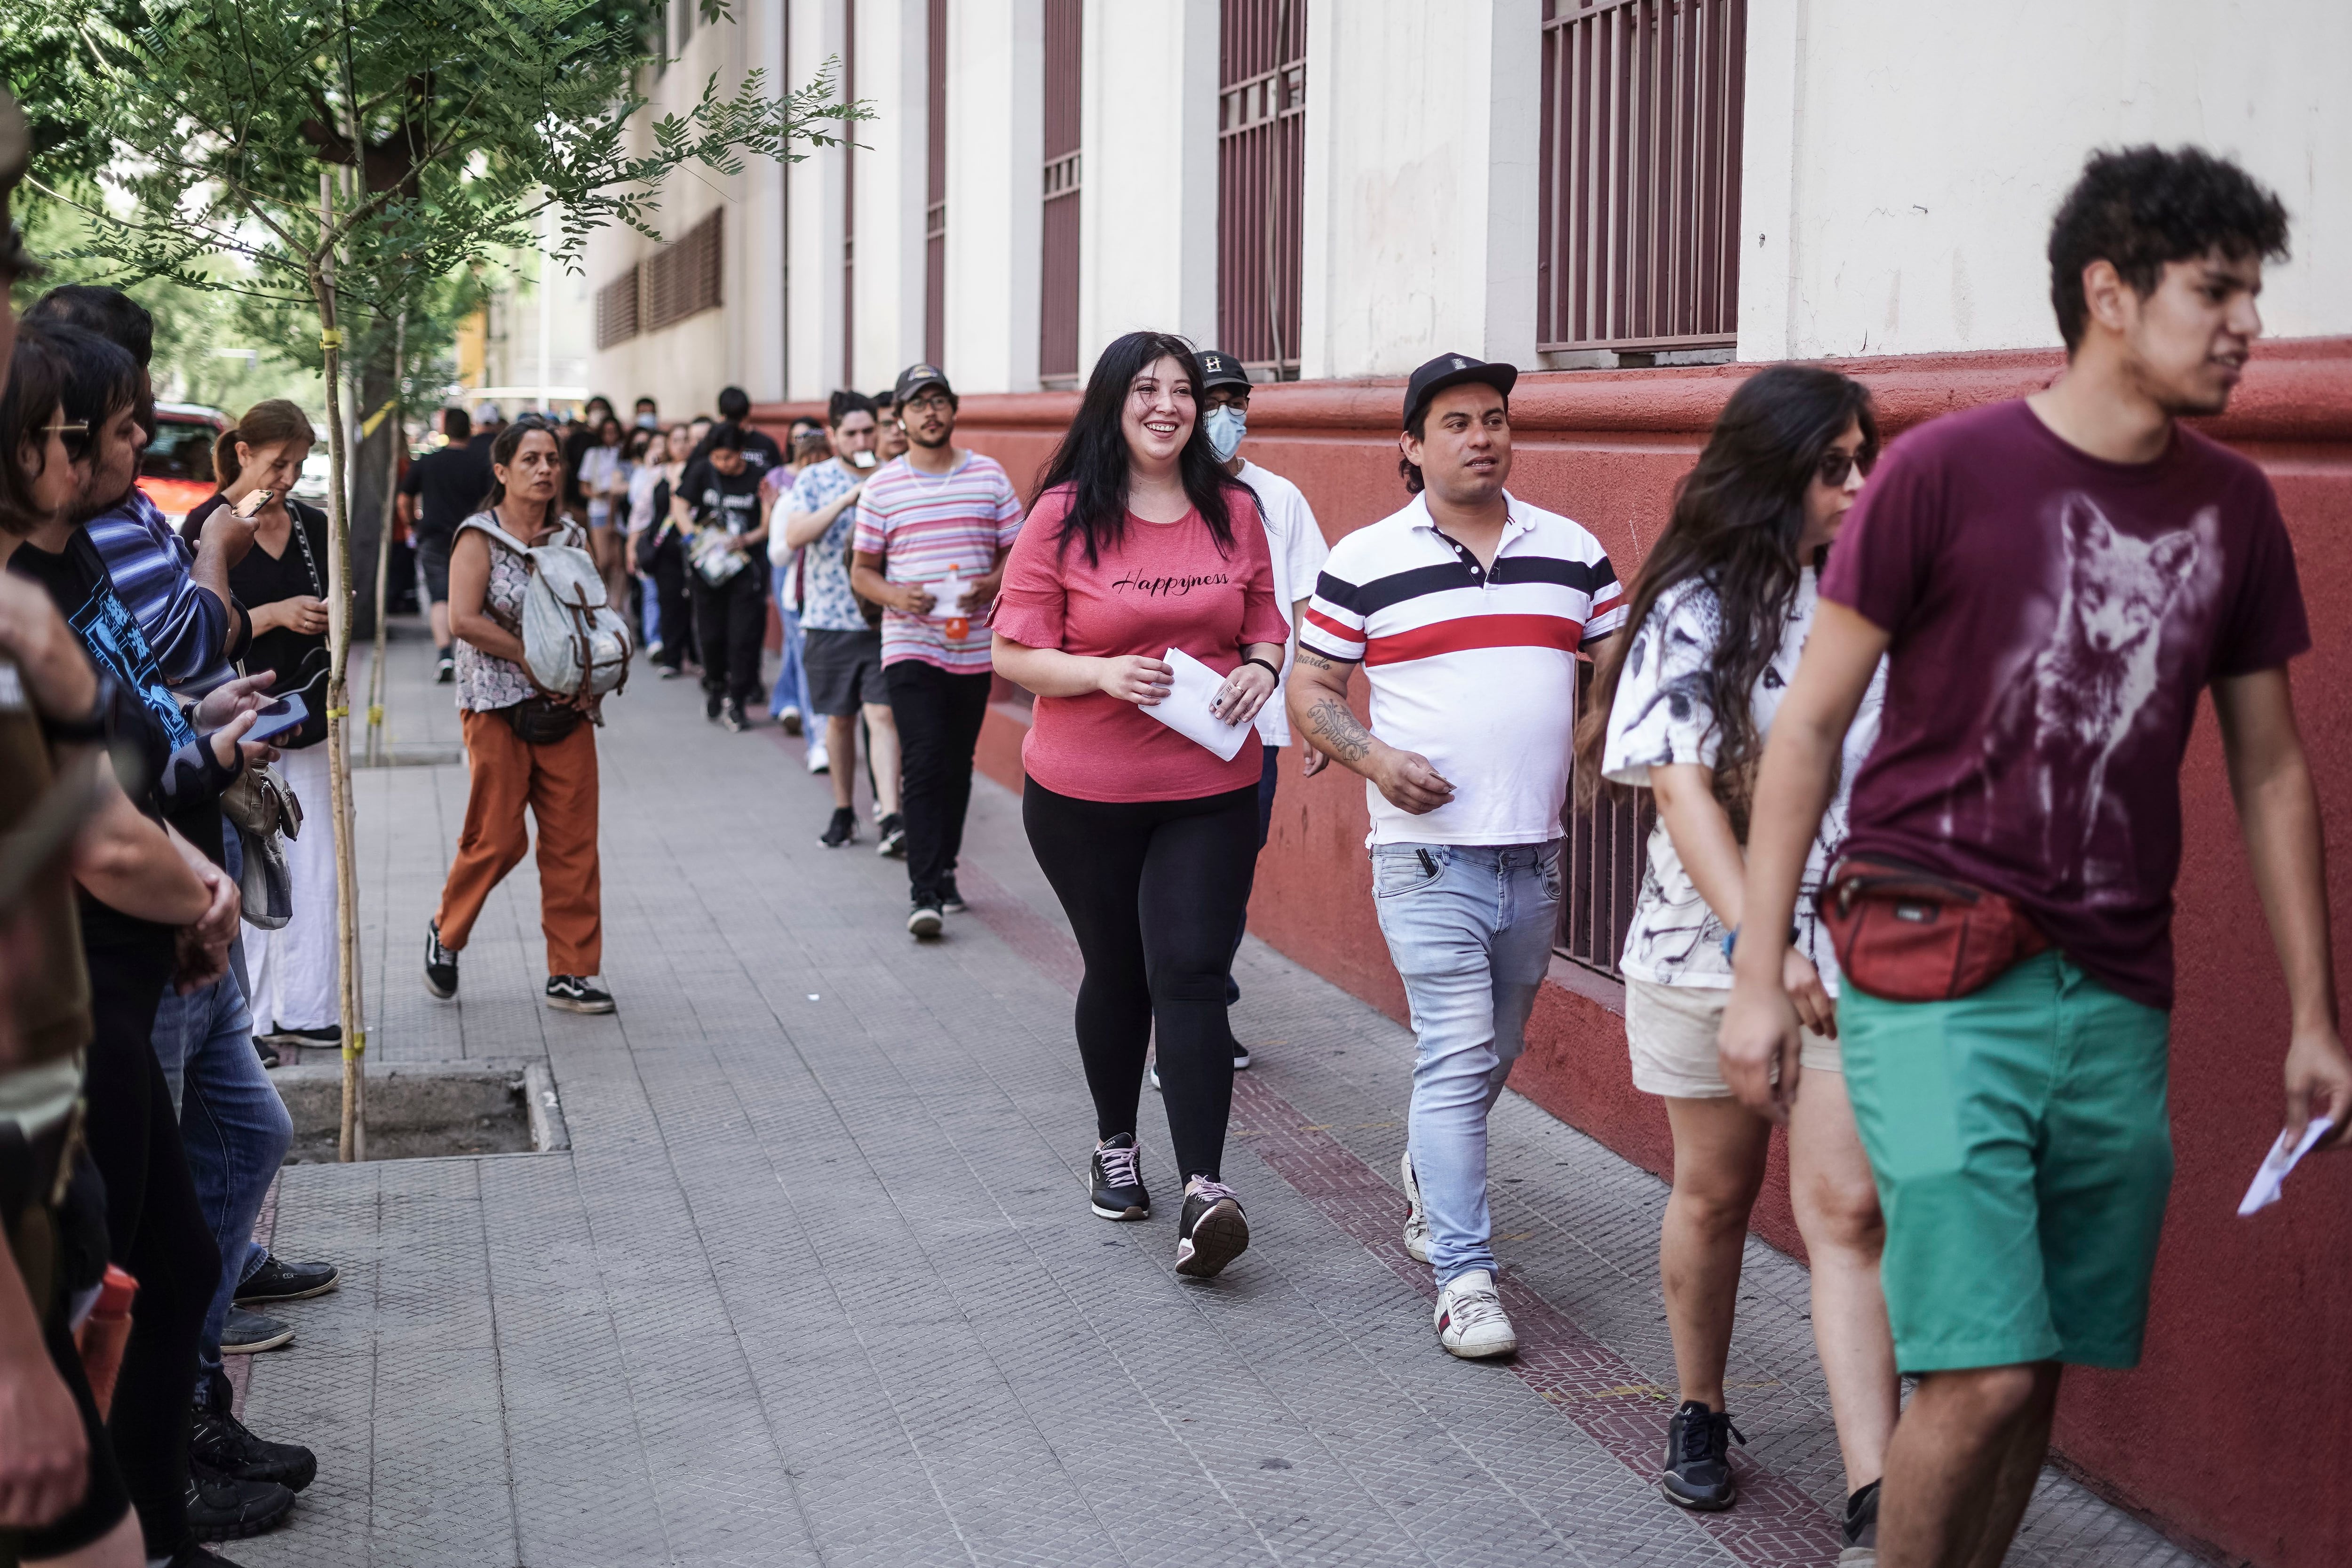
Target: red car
(176,469)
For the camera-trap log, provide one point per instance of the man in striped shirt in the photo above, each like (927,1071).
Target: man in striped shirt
(933,527)
(1467,610)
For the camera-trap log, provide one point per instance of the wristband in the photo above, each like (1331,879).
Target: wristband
(97,727)
(1264,666)
(1731,938)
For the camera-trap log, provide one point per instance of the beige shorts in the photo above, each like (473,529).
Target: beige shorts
(1670,1030)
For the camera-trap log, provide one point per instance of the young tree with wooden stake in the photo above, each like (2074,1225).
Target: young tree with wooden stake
(464,127)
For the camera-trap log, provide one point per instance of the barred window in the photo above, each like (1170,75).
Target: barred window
(682,278)
(616,309)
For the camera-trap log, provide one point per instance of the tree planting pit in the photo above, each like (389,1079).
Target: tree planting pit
(426,1110)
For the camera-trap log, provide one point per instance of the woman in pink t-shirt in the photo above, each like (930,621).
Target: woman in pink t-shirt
(1138,543)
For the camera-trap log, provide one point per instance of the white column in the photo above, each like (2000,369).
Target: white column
(1771,138)
(890,169)
(813,302)
(996,138)
(1148,221)
(1422,156)
(754,282)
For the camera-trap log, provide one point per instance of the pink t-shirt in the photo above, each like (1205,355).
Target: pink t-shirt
(1166,586)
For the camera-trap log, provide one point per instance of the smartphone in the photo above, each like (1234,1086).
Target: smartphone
(288,712)
(253,502)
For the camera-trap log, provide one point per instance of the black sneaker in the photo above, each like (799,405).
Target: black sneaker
(577,993)
(1211,1231)
(278,1281)
(222,1445)
(1118,1179)
(194,1556)
(841,830)
(250,1333)
(892,832)
(791,719)
(445,670)
(951,901)
(732,715)
(1698,1459)
(266,1051)
(669,671)
(440,963)
(924,919)
(223,1508)
(330,1035)
(1858,1534)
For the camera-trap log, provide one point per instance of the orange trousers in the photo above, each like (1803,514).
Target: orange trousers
(558,783)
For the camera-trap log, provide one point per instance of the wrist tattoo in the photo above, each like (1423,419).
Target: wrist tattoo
(1337,733)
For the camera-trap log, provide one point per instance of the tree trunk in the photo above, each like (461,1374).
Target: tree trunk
(371,508)
(352,1144)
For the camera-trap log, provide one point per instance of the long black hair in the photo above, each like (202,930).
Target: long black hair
(1093,458)
(1736,519)
(502,454)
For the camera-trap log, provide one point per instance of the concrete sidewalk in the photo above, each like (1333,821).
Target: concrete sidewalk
(817,1281)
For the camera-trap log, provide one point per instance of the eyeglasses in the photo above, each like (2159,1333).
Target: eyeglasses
(1835,466)
(930,404)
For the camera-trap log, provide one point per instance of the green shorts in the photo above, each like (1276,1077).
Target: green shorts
(2023,1155)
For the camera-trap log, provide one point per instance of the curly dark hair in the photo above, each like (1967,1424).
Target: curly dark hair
(1736,522)
(2139,207)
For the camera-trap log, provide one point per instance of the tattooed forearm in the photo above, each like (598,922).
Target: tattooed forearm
(1337,733)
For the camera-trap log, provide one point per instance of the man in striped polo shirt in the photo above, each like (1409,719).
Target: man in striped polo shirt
(932,530)
(1467,610)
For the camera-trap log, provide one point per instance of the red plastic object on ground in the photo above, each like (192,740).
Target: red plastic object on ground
(104,1332)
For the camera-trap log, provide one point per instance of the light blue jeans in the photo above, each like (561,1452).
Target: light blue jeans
(235,1127)
(791,688)
(1470,928)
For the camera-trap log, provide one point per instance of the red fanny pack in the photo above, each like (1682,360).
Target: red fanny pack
(1905,935)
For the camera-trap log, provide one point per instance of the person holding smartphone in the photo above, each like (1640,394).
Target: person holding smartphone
(282,583)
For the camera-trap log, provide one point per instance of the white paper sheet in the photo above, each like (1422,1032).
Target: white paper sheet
(1185,709)
(948,595)
(2281,1160)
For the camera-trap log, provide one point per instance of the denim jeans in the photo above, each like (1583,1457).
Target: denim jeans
(234,1127)
(791,688)
(1470,928)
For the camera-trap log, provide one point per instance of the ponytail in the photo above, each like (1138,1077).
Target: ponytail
(267,424)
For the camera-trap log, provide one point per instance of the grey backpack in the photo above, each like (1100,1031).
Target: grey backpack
(573,642)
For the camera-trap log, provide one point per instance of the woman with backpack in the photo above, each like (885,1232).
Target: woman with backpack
(526,748)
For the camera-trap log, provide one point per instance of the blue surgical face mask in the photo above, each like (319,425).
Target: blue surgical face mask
(1226,425)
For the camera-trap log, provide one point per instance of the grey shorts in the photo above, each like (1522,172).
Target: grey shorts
(432,565)
(845,670)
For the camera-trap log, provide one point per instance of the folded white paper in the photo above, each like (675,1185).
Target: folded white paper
(1185,709)
(2282,1158)
(948,595)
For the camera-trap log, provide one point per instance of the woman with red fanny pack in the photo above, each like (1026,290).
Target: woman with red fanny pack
(1718,620)
(1139,545)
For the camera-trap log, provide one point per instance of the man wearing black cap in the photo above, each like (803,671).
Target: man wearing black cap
(933,527)
(1467,610)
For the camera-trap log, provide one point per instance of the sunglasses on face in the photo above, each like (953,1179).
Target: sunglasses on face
(1835,466)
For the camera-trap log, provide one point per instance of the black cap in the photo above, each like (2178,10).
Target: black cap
(15,152)
(1219,368)
(915,378)
(1453,370)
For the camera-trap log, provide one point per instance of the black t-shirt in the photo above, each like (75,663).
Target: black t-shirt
(299,659)
(761,452)
(731,501)
(449,485)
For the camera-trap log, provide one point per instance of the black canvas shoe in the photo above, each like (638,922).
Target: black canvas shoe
(1858,1534)
(1118,1180)
(734,717)
(892,833)
(711,704)
(1698,1459)
(577,993)
(951,901)
(194,1556)
(221,1444)
(924,919)
(222,1507)
(445,670)
(841,830)
(440,963)
(1211,1231)
(278,1281)
(328,1034)
(250,1333)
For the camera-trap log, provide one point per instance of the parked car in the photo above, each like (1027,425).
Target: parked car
(176,469)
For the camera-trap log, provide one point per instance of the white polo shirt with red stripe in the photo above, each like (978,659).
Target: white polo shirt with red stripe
(1473,667)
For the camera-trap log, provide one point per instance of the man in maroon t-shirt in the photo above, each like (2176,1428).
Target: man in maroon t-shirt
(2053,580)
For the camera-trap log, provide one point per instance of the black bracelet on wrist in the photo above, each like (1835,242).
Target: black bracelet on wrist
(87,731)
(1252,658)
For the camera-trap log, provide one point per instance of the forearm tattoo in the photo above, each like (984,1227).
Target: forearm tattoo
(1337,733)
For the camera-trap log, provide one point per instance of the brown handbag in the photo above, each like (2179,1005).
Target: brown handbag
(1904,933)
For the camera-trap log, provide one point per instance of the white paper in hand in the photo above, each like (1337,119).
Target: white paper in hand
(1185,709)
(2282,1158)
(948,595)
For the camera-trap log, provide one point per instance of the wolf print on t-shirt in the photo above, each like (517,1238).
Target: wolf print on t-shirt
(2122,605)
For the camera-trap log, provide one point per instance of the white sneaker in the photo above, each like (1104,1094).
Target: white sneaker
(817,761)
(1470,1319)
(1416,1218)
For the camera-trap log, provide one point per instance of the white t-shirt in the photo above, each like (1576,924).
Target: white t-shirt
(1662,716)
(642,480)
(1296,542)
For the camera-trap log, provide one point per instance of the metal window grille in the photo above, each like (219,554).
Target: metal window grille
(1057,316)
(616,309)
(1639,194)
(1606,842)
(935,209)
(1261,181)
(682,278)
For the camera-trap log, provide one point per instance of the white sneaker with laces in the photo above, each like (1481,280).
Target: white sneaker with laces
(1471,1322)
(817,761)
(1416,1218)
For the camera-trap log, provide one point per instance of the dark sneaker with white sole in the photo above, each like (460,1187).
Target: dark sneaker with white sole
(440,963)
(323,1035)
(278,1281)
(577,993)
(1211,1231)
(734,717)
(266,1051)
(1698,1459)
(891,831)
(1118,1179)
(841,830)
(250,1333)
(221,1444)
(223,1508)
(951,901)
(924,919)
(1858,1533)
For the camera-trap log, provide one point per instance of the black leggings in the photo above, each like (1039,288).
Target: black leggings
(730,619)
(1153,889)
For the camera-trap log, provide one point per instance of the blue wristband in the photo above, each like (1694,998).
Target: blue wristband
(1731,938)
